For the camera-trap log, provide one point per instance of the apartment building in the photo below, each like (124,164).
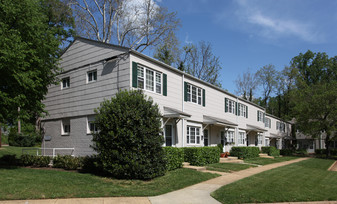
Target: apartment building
(195,113)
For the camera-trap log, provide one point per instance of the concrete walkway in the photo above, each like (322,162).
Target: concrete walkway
(198,193)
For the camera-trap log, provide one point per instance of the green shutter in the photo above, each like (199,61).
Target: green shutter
(203,97)
(257,115)
(236,108)
(134,74)
(185,91)
(164,84)
(239,109)
(226,108)
(246,111)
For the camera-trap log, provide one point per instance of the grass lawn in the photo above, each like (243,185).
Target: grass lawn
(308,180)
(25,183)
(227,167)
(15,150)
(265,161)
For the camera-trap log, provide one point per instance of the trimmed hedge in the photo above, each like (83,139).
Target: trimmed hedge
(33,160)
(245,152)
(287,152)
(200,156)
(67,162)
(174,157)
(333,152)
(271,151)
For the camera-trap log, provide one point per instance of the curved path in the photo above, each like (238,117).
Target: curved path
(200,193)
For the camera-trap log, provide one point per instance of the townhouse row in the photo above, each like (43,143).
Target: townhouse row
(195,113)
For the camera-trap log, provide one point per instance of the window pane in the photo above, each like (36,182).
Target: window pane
(158,83)
(188,92)
(194,94)
(149,80)
(140,74)
(192,134)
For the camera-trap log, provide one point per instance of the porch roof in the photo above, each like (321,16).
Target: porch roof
(218,121)
(174,113)
(273,136)
(255,128)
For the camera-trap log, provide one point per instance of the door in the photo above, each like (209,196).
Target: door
(168,135)
(205,137)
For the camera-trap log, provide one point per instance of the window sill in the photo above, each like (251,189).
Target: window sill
(65,134)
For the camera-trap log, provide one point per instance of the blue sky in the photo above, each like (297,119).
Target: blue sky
(253,33)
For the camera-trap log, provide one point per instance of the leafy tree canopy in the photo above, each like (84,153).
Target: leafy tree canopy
(29,52)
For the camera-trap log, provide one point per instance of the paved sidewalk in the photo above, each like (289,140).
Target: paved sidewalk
(200,193)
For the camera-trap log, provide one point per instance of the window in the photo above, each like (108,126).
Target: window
(266,140)
(242,110)
(280,126)
(65,127)
(65,83)
(193,135)
(194,94)
(230,106)
(242,138)
(92,76)
(230,137)
(259,138)
(260,116)
(92,127)
(267,122)
(153,79)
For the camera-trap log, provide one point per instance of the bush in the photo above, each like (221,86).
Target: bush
(25,139)
(301,152)
(174,157)
(220,146)
(92,164)
(33,160)
(200,156)
(4,139)
(333,152)
(9,160)
(287,152)
(245,152)
(129,142)
(271,151)
(67,162)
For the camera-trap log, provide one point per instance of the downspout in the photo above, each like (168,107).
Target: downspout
(183,127)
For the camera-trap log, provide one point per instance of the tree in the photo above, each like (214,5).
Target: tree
(129,140)
(266,77)
(168,51)
(199,61)
(29,52)
(314,100)
(246,85)
(137,24)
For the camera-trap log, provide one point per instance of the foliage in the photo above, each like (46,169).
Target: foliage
(92,164)
(271,151)
(168,52)
(29,52)
(9,160)
(200,62)
(4,139)
(304,181)
(63,184)
(129,142)
(246,85)
(220,146)
(16,150)
(301,152)
(266,77)
(36,161)
(174,157)
(200,156)
(245,152)
(287,152)
(67,162)
(333,152)
(20,140)
(314,98)
(133,23)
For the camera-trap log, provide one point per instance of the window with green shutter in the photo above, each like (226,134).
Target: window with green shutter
(194,94)
(134,74)
(164,84)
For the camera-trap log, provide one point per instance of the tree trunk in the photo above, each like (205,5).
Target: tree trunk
(327,145)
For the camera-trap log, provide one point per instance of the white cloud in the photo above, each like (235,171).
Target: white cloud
(271,22)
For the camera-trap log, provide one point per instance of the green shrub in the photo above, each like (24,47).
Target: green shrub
(271,151)
(92,164)
(200,156)
(174,157)
(301,152)
(333,152)
(245,152)
(9,160)
(287,152)
(67,162)
(21,140)
(4,139)
(220,146)
(129,142)
(33,160)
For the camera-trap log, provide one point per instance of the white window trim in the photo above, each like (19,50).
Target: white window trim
(230,104)
(197,91)
(244,138)
(259,139)
(188,135)
(63,123)
(93,80)
(68,84)
(260,116)
(172,132)
(154,80)
(90,119)
(242,110)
